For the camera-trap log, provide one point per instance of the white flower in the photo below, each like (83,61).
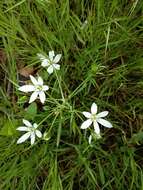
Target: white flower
(37,88)
(31,130)
(50,62)
(95,118)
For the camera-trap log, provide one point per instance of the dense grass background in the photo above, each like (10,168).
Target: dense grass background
(101,62)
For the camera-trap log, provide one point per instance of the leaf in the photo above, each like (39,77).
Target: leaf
(59,134)
(74,126)
(31,111)
(22,100)
(137,138)
(9,128)
(94,68)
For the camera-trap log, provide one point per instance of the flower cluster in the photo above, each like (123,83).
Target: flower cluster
(38,90)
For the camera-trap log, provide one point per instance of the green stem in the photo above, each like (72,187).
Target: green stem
(45,119)
(60,86)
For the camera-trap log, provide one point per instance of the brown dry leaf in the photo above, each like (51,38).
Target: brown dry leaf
(26,71)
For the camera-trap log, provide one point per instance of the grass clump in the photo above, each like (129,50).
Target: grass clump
(102,61)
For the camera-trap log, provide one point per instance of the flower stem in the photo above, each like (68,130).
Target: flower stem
(60,86)
(45,119)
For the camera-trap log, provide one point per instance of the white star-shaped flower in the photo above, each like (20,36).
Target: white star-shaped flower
(31,130)
(95,118)
(37,88)
(50,62)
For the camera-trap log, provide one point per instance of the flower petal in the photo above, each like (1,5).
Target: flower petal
(33,97)
(40,80)
(27,123)
(45,63)
(102,114)
(23,138)
(86,124)
(35,125)
(51,55)
(57,58)
(42,97)
(50,69)
(104,122)
(89,139)
(56,66)
(94,108)
(33,79)
(38,133)
(22,129)
(45,88)
(96,128)
(27,88)
(86,114)
(32,138)
(41,56)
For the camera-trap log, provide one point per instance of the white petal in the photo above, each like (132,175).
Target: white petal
(23,138)
(51,55)
(57,58)
(87,114)
(22,129)
(56,66)
(45,88)
(32,138)
(102,114)
(38,133)
(86,124)
(45,63)
(27,88)
(42,97)
(50,69)
(94,108)
(40,81)
(89,139)
(104,122)
(41,56)
(35,125)
(34,80)
(33,97)
(27,123)
(96,128)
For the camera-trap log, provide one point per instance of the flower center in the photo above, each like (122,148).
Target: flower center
(32,129)
(51,62)
(93,117)
(39,88)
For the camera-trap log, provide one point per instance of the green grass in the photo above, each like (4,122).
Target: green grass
(101,62)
